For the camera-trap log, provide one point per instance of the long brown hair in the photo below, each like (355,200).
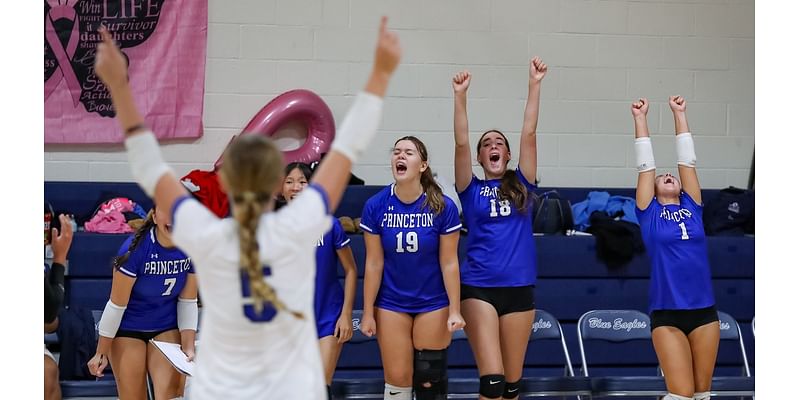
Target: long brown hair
(149,222)
(511,188)
(434,198)
(252,167)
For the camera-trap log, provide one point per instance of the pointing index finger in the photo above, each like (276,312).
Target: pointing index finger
(383,24)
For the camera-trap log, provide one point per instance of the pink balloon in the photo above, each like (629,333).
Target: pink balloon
(295,105)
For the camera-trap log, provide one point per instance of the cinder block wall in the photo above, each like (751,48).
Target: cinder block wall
(601,54)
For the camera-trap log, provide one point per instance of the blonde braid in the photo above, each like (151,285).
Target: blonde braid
(248,216)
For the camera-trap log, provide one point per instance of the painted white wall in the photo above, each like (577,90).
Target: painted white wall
(602,54)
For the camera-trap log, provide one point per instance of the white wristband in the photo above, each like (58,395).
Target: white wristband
(187,314)
(109,322)
(144,156)
(684,146)
(359,127)
(645,160)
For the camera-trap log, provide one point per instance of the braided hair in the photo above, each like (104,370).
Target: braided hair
(252,168)
(149,222)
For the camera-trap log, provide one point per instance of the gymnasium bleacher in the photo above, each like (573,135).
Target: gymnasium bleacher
(571,281)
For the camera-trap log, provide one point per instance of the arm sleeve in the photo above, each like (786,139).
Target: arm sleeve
(53,292)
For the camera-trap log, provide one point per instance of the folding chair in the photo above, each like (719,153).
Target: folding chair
(618,326)
(358,387)
(733,385)
(547,327)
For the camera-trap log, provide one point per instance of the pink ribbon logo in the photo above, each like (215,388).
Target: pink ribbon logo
(63,9)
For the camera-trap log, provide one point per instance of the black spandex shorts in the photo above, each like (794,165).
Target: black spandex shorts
(504,299)
(143,336)
(685,320)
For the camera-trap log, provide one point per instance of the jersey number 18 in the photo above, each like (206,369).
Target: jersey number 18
(505,208)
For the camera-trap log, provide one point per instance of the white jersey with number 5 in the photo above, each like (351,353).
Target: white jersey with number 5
(241,355)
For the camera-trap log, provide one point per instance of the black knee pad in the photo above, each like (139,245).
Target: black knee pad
(511,390)
(430,369)
(492,386)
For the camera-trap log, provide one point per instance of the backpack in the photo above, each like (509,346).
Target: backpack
(731,212)
(553,215)
(76,333)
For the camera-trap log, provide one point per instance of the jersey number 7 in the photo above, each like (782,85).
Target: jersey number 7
(268,312)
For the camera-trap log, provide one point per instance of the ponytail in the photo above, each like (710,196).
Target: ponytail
(434,198)
(247,216)
(149,222)
(433,192)
(514,191)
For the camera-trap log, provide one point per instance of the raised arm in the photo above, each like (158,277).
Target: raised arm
(148,168)
(361,123)
(463,156)
(527,139)
(645,161)
(684,145)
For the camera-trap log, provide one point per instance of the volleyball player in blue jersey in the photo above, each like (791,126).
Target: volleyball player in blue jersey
(683,315)
(411,284)
(333,307)
(153,296)
(499,273)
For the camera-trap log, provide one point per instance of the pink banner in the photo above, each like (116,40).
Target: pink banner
(165,43)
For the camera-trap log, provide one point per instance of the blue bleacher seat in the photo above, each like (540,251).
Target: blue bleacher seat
(570,281)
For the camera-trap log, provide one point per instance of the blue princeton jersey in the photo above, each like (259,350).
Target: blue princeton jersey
(500,248)
(328,292)
(676,243)
(160,274)
(412,276)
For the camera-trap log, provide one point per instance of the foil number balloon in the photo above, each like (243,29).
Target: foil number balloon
(302,106)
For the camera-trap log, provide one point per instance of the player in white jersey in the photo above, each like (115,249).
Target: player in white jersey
(260,263)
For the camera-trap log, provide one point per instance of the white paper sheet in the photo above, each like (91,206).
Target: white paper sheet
(175,356)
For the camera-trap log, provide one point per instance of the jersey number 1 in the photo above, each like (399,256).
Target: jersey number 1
(684,234)
(268,312)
